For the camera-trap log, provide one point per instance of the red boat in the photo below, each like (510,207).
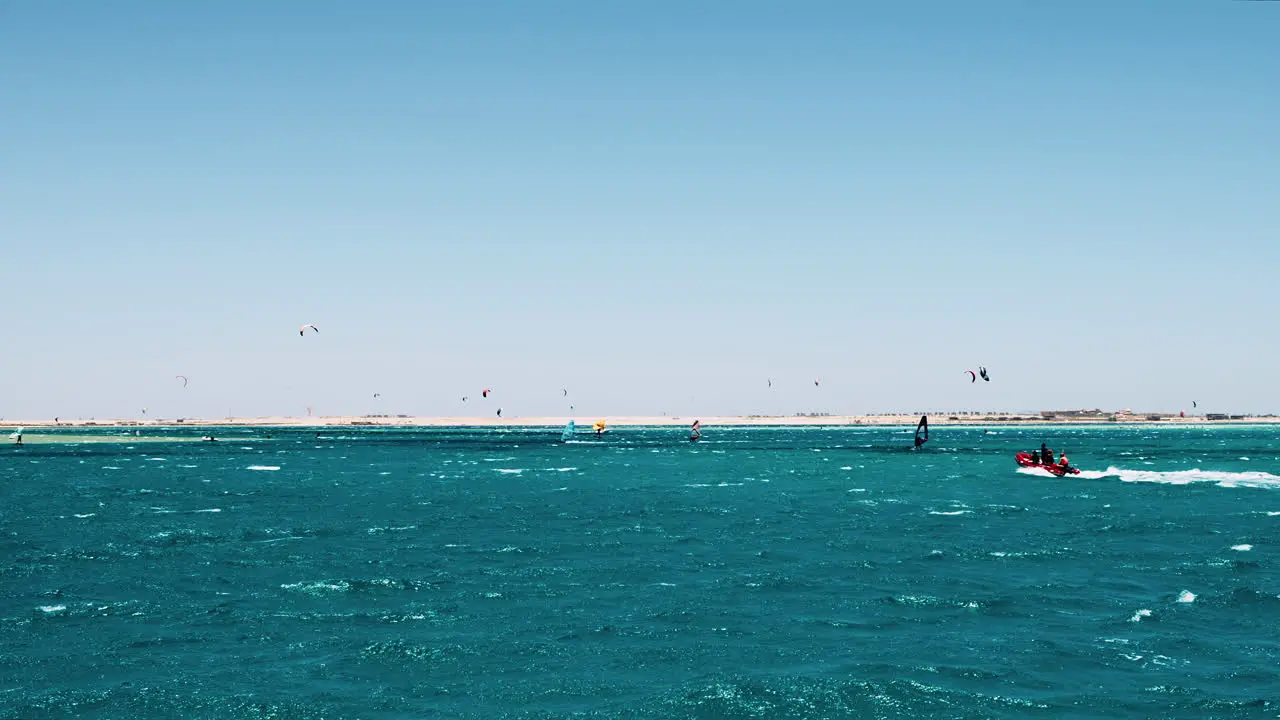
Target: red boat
(1024,459)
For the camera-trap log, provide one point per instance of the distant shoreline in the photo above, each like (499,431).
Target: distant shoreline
(1013,419)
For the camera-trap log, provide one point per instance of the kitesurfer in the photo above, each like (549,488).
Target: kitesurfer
(18,439)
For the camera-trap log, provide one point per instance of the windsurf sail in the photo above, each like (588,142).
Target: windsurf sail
(695,433)
(568,432)
(922,431)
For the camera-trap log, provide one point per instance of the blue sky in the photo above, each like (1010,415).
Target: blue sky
(655,205)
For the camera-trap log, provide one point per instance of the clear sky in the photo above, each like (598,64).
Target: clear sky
(657,206)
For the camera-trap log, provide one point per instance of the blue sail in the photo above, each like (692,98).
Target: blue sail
(569,430)
(922,431)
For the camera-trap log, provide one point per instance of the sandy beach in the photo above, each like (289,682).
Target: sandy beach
(641,420)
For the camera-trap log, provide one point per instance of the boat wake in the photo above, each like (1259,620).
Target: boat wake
(1175,477)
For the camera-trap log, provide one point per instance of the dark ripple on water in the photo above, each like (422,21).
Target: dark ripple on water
(779,573)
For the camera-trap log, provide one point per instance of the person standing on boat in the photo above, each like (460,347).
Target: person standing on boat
(1046,455)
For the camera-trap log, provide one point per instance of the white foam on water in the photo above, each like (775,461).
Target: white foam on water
(949,512)
(50,609)
(209,510)
(264,467)
(847,467)
(1186,596)
(188,466)
(1244,458)
(1220,478)
(156,459)
(110,467)
(1271,513)
(318,587)
(563,469)
(1246,547)
(86,515)
(511,471)
(1137,617)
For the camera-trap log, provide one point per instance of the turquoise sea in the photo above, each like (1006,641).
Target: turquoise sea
(760,573)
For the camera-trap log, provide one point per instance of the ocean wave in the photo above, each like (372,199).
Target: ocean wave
(263,467)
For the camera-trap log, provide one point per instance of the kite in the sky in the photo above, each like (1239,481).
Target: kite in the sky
(983,372)
(303,330)
(973,377)
(183,378)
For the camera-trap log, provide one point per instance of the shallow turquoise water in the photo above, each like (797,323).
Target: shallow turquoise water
(791,573)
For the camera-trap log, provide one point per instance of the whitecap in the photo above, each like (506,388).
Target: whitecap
(188,466)
(110,467)
(1137,617)
(86,515)
(50,609)
(1186,596)
(847,467)
(263,467)
(1245,547)
(510,471)
(563,469)
(209,510)
(950,512)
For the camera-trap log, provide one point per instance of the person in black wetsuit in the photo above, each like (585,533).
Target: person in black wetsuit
(1046,455)
(1035,457)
